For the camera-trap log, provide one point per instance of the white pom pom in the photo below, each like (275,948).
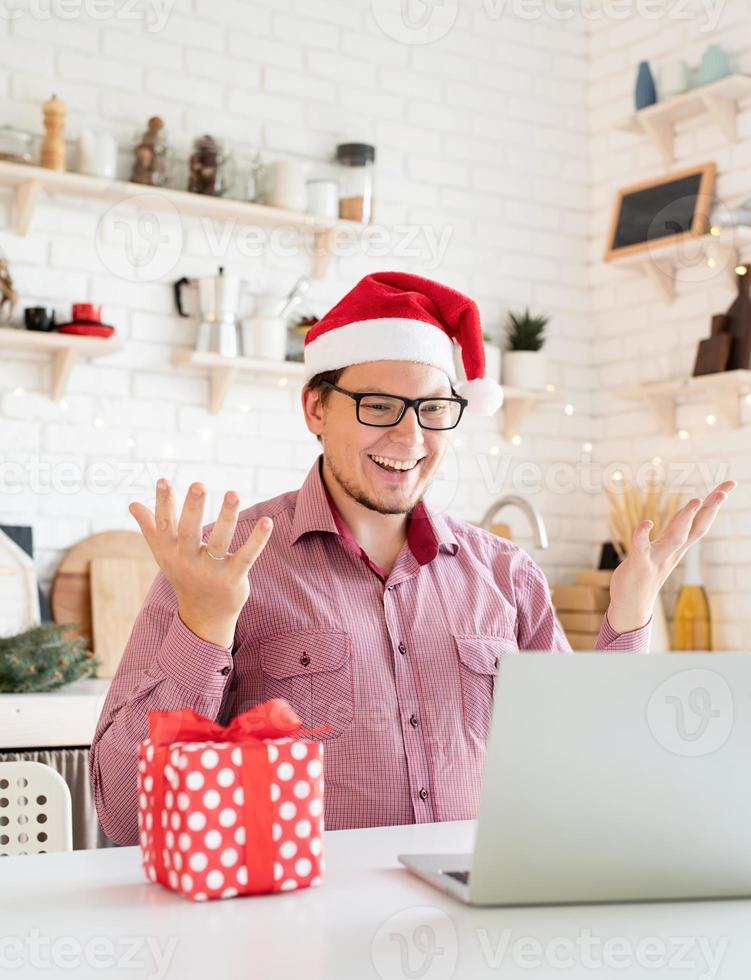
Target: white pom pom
(484,395)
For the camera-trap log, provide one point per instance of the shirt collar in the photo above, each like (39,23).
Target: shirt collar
(428,530)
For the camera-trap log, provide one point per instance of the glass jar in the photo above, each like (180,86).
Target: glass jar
(153,158)
(210,168)
(357,168)
(15,145)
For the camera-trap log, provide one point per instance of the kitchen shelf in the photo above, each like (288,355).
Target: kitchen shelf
(659,261)
(65,350)
(223,371)
(31,182)
(724,389)
(717,100)
(518,403)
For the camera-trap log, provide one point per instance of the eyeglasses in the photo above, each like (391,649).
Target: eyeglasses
(374,408)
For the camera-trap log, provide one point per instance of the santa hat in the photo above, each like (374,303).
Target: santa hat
(397,316)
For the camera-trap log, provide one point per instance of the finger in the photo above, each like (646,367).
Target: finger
(252,548)
(219,540)
(191,517)
(164,511)
(706,514)
(640,542)
(145,520)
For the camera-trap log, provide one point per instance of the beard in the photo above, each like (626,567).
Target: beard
(362,497)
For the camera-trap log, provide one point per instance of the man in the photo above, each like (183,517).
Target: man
(350,597)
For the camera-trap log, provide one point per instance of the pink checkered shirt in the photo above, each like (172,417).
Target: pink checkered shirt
(402,667)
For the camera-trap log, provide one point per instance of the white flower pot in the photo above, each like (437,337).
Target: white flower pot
(525,369)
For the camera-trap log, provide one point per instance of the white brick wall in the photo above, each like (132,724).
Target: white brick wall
(636,337)
(497,136)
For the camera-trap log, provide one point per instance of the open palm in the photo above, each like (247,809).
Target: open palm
(636,582)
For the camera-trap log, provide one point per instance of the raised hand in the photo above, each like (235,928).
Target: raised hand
(638,579)
(210,583)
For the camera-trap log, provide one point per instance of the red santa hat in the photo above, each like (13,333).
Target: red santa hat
(397,316)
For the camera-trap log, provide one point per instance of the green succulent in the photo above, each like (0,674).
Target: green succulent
(525,331)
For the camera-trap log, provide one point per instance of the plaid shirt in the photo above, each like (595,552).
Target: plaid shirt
(402,667)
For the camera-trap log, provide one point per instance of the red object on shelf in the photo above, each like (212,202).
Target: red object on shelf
(87,313)
(87,329)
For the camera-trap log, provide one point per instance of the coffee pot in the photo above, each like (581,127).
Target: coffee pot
(218,298)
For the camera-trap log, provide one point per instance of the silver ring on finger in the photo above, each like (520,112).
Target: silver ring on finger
(216,557)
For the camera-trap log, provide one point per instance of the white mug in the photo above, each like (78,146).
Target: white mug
(285,180)
(323,198)
(266,336)
(97,154)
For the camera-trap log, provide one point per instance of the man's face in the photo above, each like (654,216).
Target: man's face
(349,445)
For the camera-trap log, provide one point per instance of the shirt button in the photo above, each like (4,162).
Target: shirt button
(423,794)
(225,670)
(402,648)
(414,721)
(305,660)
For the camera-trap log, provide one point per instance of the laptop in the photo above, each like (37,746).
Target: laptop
(610,778)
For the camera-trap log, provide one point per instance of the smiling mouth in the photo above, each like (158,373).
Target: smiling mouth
(394,465)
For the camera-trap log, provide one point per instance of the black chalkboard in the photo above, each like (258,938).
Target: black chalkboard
(670,207)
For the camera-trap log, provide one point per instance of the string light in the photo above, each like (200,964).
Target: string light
(682,434)
(494,450)
(711,420)
(283,382)
(458,442)
(99,422)
(244,407)
(516,440)
(549,387)
(18,392)
(587,447)
(569,409)
(131,442)
(205,433)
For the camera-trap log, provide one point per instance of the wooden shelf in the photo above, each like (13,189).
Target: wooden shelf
(31,182)
(658,261)
(223,371)
(718,100)
(518,403)
(65,350)
(724,389)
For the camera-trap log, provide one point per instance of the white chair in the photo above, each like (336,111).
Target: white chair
(36,814)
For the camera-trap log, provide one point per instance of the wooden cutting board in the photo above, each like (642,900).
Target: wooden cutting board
(70,599)
(118,588)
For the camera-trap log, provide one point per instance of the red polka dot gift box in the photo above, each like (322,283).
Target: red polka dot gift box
(235,810)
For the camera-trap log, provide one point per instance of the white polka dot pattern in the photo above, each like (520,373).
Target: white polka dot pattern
(203,822)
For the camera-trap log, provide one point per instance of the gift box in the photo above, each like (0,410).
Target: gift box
(235,810)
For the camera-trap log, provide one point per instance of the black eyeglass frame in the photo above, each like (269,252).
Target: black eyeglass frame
(357,397)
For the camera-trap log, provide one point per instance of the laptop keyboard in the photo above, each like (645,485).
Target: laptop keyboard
(462,876)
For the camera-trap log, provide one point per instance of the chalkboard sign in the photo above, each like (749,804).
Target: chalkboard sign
(662,210)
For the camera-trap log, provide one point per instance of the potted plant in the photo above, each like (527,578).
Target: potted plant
(524,362)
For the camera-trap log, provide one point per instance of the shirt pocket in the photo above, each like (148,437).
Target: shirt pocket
(312,669)
(478,658)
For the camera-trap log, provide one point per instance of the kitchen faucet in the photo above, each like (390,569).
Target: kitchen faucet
(533,515)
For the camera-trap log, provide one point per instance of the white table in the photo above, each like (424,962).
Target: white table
(370,919)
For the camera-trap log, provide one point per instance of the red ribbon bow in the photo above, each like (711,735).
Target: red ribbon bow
(272,719)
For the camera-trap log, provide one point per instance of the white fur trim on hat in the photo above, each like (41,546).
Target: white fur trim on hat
(484,395)
(381,339)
